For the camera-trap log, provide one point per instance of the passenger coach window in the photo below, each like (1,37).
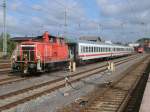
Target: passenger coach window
(104,49)
(89,49)
(86,49)
(83,49)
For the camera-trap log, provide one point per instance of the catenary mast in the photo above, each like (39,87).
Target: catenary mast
(4,29)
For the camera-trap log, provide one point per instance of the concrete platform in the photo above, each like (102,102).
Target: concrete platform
(145,105)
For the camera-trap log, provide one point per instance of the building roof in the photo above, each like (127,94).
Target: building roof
(91,38)
(20,39)
(23,38)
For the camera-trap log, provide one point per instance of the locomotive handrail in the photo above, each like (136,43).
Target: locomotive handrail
(24,61)
(20,54)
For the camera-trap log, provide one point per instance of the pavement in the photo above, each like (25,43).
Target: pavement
(145,105)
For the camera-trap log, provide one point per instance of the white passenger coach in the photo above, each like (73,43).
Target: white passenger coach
(93,50)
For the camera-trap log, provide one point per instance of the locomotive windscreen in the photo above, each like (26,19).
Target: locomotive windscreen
(28,51)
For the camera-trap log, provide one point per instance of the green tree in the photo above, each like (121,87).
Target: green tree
(10,44)
(142,40)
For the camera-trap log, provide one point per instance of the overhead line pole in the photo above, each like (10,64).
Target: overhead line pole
(4,29)
(65,25)
(99,29)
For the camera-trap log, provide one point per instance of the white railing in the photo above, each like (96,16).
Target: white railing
(20,54)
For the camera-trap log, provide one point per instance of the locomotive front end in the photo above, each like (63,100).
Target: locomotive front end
(24,58)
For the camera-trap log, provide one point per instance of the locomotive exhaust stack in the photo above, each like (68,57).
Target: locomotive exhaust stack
(46,37)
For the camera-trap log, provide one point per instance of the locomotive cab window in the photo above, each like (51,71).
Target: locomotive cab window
(52,40)
(28,51)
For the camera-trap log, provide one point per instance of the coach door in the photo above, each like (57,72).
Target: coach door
(72,51)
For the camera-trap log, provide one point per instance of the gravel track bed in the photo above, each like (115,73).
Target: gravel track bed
(52,101)
(43,78)
(4,76)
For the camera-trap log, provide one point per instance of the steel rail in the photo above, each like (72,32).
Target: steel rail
(10,80)
(53,81)
(114,98)
(55,84)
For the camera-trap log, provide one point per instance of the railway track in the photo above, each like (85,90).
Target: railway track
(11,79)
(5,70)
(15,98)
(4,61)
(116,96)
(5,65)
(135,98)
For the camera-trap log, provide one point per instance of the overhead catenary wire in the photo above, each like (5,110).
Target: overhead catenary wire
(67,9)
(136,16)
(66,14)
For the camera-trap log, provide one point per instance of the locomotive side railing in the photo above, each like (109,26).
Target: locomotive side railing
(20,55)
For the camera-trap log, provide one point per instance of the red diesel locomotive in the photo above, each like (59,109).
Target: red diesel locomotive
(40,55)
(49,52)
(140,50)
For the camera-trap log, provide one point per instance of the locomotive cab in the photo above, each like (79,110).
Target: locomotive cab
(23,58)
(40,55)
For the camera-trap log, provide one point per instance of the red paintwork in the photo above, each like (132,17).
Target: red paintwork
(140,50)
(85,55)
(48,51)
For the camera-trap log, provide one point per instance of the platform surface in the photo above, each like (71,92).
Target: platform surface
(145,104)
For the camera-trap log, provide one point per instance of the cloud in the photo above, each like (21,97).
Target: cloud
(46,15)
(124,20)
